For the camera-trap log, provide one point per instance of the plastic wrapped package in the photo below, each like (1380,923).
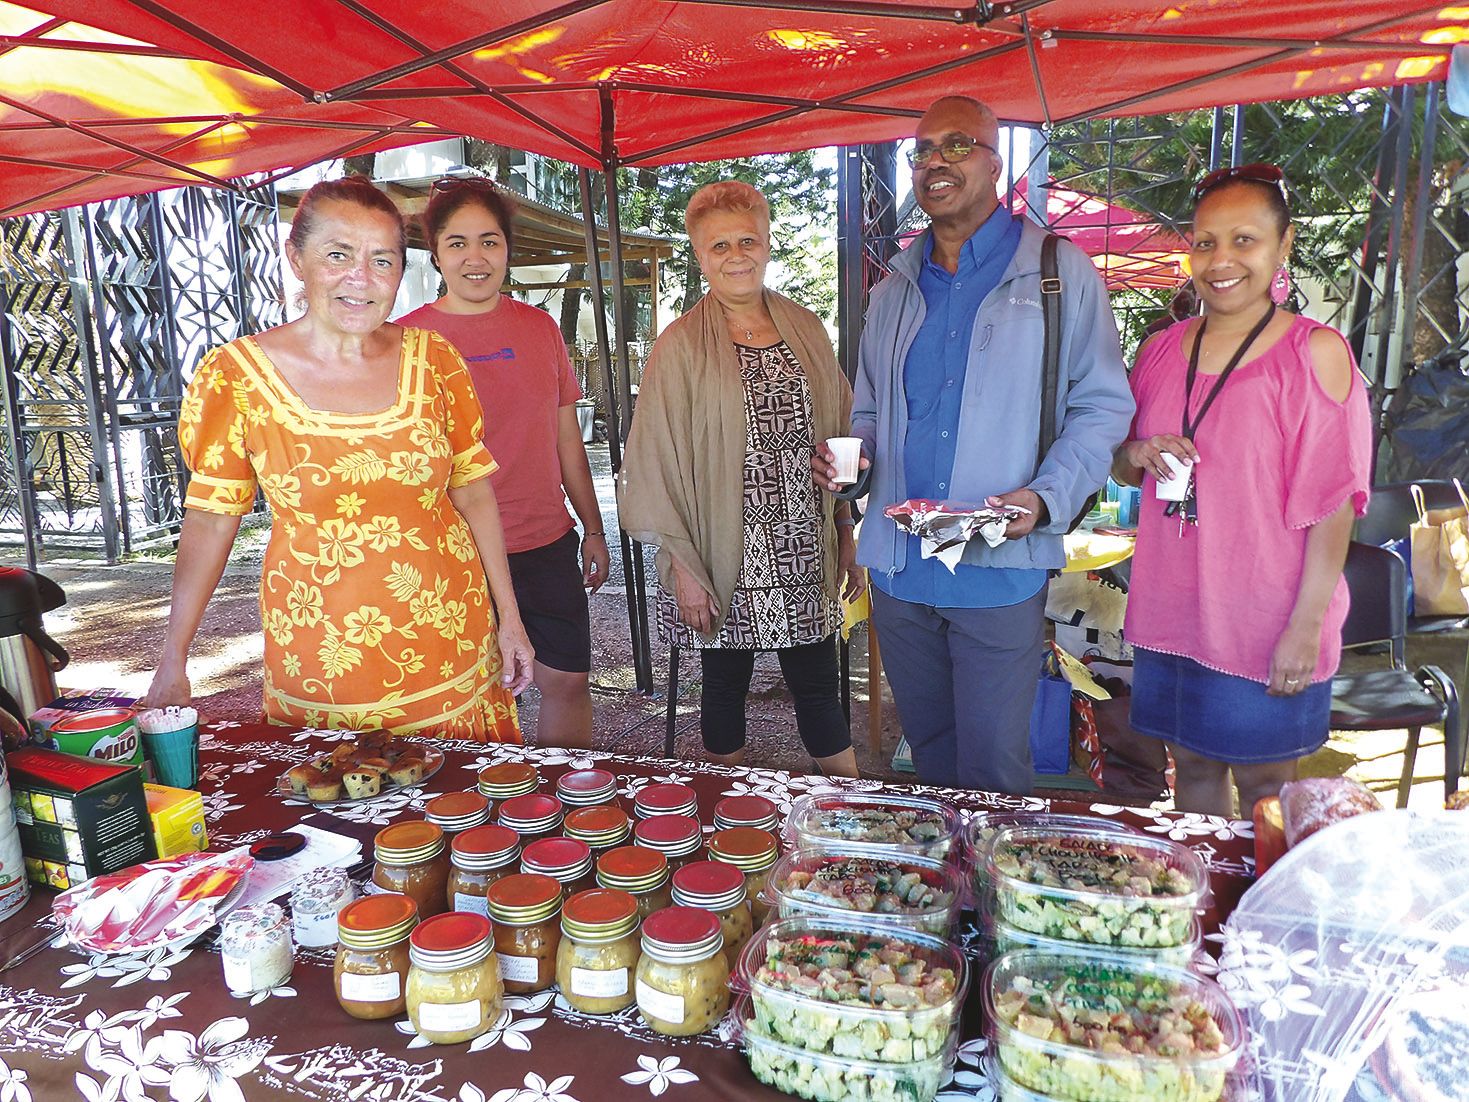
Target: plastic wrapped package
(1313,804)
(905,824)
(979,835)
(1350,962)
(893,889)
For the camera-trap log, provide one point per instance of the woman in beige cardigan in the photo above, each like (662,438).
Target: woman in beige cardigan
(736,395)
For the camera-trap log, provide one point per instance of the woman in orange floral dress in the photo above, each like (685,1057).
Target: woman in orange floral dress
(385,546)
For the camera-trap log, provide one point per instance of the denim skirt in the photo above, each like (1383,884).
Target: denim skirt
(1220,716)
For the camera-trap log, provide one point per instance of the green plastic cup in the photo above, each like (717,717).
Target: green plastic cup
(174,752)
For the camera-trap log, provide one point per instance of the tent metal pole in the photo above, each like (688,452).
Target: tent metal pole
(16,452)
(1216,139)
(1237,138)
(1413,272)
(1387,312)
(849,257)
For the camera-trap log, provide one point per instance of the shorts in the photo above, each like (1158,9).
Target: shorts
(553,603)
(1224,717)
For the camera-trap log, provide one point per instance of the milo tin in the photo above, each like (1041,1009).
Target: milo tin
(107,734)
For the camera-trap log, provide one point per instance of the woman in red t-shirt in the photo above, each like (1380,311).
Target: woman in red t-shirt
(520,370)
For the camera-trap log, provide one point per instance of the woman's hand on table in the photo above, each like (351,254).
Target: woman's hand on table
(696,607)
(853,577)
(170,685)
(517,657)
(1147,455)
(1294,660)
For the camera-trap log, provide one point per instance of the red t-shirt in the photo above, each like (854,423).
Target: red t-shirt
(520,370)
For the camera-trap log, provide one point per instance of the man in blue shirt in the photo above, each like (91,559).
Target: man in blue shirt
(947,403)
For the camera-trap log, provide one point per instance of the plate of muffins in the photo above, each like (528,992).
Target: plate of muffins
(373,765)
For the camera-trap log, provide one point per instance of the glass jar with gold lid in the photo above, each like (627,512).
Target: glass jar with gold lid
(682,983)
(509,778)
(746,811)
(532,817)
(720,889)
(642,873)
(599,951)
(679,838)
(586,788)
(602,827)
(412,859)
(478,857)
(566,860)
(371,969)
(456,811)
(454,992)
(526,909)
(753,852)
(665,799)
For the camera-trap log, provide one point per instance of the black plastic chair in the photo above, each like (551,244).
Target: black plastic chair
(1390,514)
(1381,700)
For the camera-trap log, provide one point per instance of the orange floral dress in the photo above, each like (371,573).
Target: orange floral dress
(374,601)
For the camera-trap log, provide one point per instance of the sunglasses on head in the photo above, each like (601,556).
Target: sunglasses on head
(1259,172)
(474,183)
(952,150)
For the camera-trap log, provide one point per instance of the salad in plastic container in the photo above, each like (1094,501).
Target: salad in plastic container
(1005,1089)
(824,1078)
(840,986)
(1096,886)
(1004,938)
(982,827)
(907,824)
(897,890)
(1098,1027)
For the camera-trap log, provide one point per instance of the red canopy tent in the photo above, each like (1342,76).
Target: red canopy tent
(605,83)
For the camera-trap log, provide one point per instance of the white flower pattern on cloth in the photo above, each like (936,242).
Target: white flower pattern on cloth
(209,1065)
(1261,976)
(127,968)
(13,1084)
(969,1081)
(659,1075)
(131,1068)
(535,1089)
(284,991)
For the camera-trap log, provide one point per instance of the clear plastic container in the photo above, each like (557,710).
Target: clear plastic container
(904,824)
(1096,887)
(898,890)
(1236,1088)
(1062,1023)
(824,1078)
(979,834)
(837,986)
(1004,938)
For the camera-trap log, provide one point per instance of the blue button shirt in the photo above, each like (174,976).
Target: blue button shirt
(933,380)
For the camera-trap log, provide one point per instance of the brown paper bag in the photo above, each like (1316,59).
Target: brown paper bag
(1440,558)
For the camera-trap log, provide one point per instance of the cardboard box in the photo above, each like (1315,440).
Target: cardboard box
(73,701)
(78,817)
(178,819)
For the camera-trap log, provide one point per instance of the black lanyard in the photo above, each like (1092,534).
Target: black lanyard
(1191,427)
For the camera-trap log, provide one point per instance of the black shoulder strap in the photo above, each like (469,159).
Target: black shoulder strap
(1051,357)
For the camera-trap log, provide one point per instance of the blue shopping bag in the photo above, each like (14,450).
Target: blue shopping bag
(1050,720)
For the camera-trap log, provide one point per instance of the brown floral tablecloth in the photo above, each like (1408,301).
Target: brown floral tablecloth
(163,1025)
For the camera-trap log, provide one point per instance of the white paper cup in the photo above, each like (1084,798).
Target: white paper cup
(846,451)
(1175,488)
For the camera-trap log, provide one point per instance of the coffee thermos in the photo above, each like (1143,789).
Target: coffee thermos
(29,658)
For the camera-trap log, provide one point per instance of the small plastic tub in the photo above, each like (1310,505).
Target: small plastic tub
(1096,887)
(1004,938)
(904,824)
(823,1078)
(839,987)
(1191,1034)
(898,890)
(979,834)
(1007,1090)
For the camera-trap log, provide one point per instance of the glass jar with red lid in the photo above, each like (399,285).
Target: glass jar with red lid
(720,889)
(682,981)
(746,811)
(526,909)
(456,811)
(665,799)
(565,860)
(679,838)
(642,873)
(533,817)
(509,778)
(412,859)
(753,852)
(478,857)
(586,788)
(599,951)
(371,970)
(602,827)
(454,992)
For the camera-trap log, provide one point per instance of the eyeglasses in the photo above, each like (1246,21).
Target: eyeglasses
(474,183)
(1259,172)
(952,150)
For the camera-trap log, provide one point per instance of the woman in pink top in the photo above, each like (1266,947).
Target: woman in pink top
(520,370)
(1237,597)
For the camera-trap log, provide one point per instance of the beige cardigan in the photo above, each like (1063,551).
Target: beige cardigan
(682,481)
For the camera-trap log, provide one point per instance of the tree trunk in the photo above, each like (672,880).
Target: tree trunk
(571,303)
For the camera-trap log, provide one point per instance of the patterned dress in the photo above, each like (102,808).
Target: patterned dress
(373,597)
(781,598)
